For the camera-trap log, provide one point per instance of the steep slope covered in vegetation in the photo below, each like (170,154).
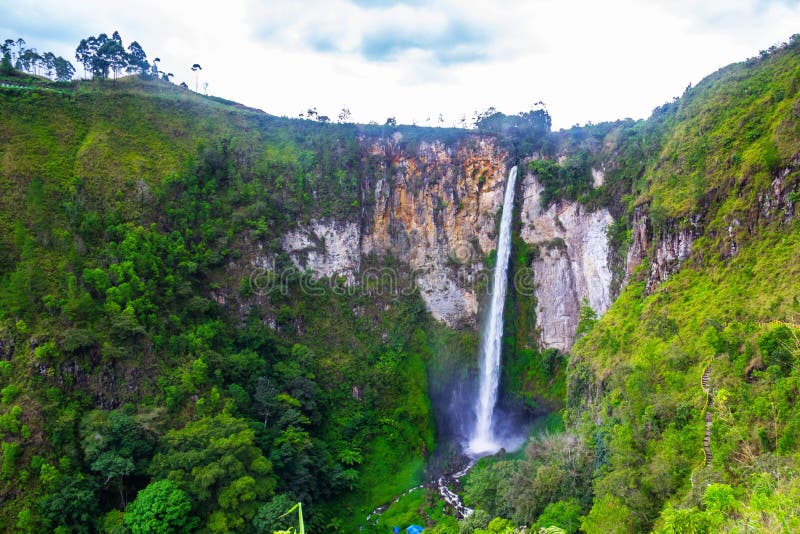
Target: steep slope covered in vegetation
(724,188)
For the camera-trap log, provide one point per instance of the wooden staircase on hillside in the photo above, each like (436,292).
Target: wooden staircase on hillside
(705,381)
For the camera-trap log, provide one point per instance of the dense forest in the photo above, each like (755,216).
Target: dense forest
(153,378)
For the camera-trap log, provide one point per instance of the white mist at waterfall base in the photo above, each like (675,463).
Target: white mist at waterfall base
(484,439)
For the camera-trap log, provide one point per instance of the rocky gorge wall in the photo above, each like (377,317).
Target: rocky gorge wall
(668,249)
(572,262)
(669,246)
(435,208)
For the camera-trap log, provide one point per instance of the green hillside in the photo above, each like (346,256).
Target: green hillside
(719,163)
(124,206)
(732,145)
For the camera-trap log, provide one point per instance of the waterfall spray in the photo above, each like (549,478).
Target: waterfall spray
(483,439)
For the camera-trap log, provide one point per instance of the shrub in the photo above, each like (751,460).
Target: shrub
(563,514)
(162,507)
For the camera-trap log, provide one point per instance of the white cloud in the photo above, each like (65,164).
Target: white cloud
(588,60)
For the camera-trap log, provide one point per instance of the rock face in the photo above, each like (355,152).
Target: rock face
(598,177)
(778,203)
(435,208)
(640,239)
(572,264)
(436,211)
(326,248)
(670,248)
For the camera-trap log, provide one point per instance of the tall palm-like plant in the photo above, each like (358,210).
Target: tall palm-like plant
(196,67)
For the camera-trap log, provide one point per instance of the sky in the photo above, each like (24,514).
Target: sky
(588,61)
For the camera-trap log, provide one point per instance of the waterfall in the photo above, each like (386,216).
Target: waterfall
(483,439)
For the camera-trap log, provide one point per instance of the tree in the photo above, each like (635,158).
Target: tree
(160,507)
(344,115)
(563,514)
(196,67)
(29,60)
(137,59)
(99,61)
(777,347)
(587,318)
(680,520)
(25,521)
(500,525)
(114,467)
(114,445)
(84,55)
(264,400)
(486,488)
(6,65)
(94,54)
(112,55)
(608,515)
(19,44)
(64,69)
(5,46)
(523,133)
(73,506)
(48,63)
(477,520)
(480,116)
(272,515)
(100,54)
(216,462)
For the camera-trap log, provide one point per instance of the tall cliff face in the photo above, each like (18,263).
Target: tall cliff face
(434,207)
(436,210)
(572,263)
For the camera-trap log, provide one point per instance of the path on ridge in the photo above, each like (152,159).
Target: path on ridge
(705,381)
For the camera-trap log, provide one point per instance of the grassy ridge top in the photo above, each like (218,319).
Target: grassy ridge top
(736,128)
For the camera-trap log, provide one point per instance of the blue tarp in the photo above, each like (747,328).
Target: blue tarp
(414,529)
